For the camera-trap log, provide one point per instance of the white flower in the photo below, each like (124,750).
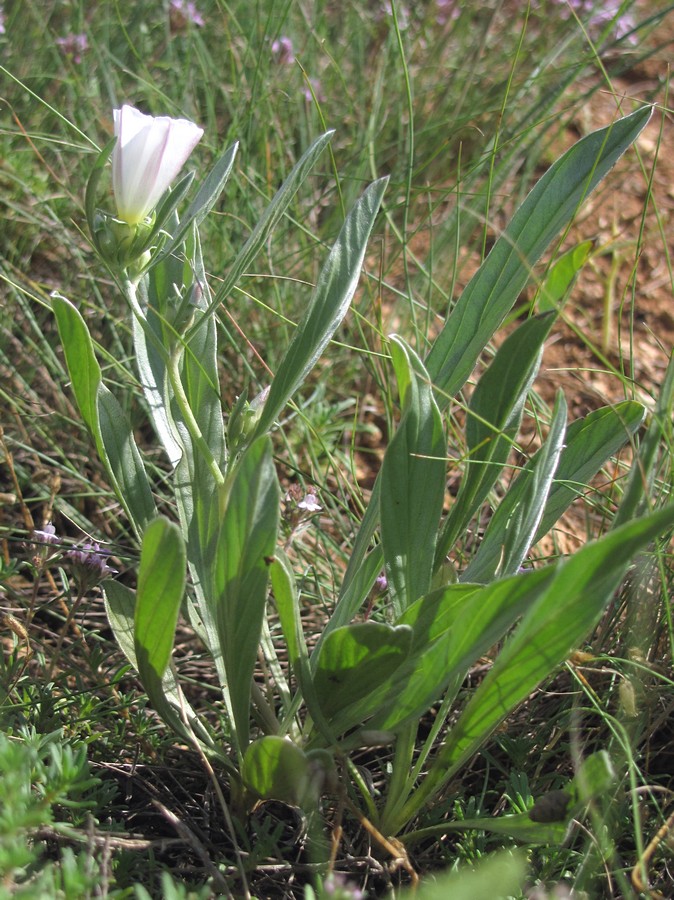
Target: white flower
(148,155)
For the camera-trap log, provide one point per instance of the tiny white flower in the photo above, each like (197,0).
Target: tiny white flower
(149,153)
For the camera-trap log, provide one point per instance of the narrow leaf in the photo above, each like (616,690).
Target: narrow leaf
(495,287)
(328,306)
(161,585)
(243,552)
(413,483)
(494,415)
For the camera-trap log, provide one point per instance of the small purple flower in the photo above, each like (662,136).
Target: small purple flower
(282,51)
(309,502)
(381,583)
(43,540)
(45,535)
(2,20)
(182,13)
(73,46)
(89,565)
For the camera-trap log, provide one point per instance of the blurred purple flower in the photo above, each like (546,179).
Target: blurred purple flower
(73,46)
(2,20)
(337,887)
(282,51)
(597,14)
(317,91)
(402,14)
(182,13)
(447,11)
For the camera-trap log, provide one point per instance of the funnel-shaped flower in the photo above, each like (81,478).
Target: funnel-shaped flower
(148,155)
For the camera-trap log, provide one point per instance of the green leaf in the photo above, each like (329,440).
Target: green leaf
(561,277)
(196,212)
(519,826)
(569,607)
(161,586)
(124,462)
(270,218)
(104,417)
(244,550)
(413,483)
(167,698)
(494,416)
(512,528)
(452,628)
(83,367)
(496,285)
(589,443)
(328,306)
(276,769)
(355,660)
(497,877)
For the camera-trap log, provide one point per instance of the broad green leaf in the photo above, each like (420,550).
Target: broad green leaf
(161,586)
(496,285)
(569,607)
(494,415)
(328,306)
(497,877)
(244,549)
(452,629)
(276,769)
(354,660)
(104,417)
(560,278)
(512,528)
(83,367)
(413,483)
(270,218)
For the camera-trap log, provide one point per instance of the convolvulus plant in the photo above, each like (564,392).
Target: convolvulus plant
(366,682)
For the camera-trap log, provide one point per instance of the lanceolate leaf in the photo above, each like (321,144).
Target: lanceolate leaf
(356,659)
(494,416)
(512,528)
(161,586)
(494,288)
(104,417)
(167,699)
(270,218)
(413,483)
(328,306)
(243,553)
(567,609)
